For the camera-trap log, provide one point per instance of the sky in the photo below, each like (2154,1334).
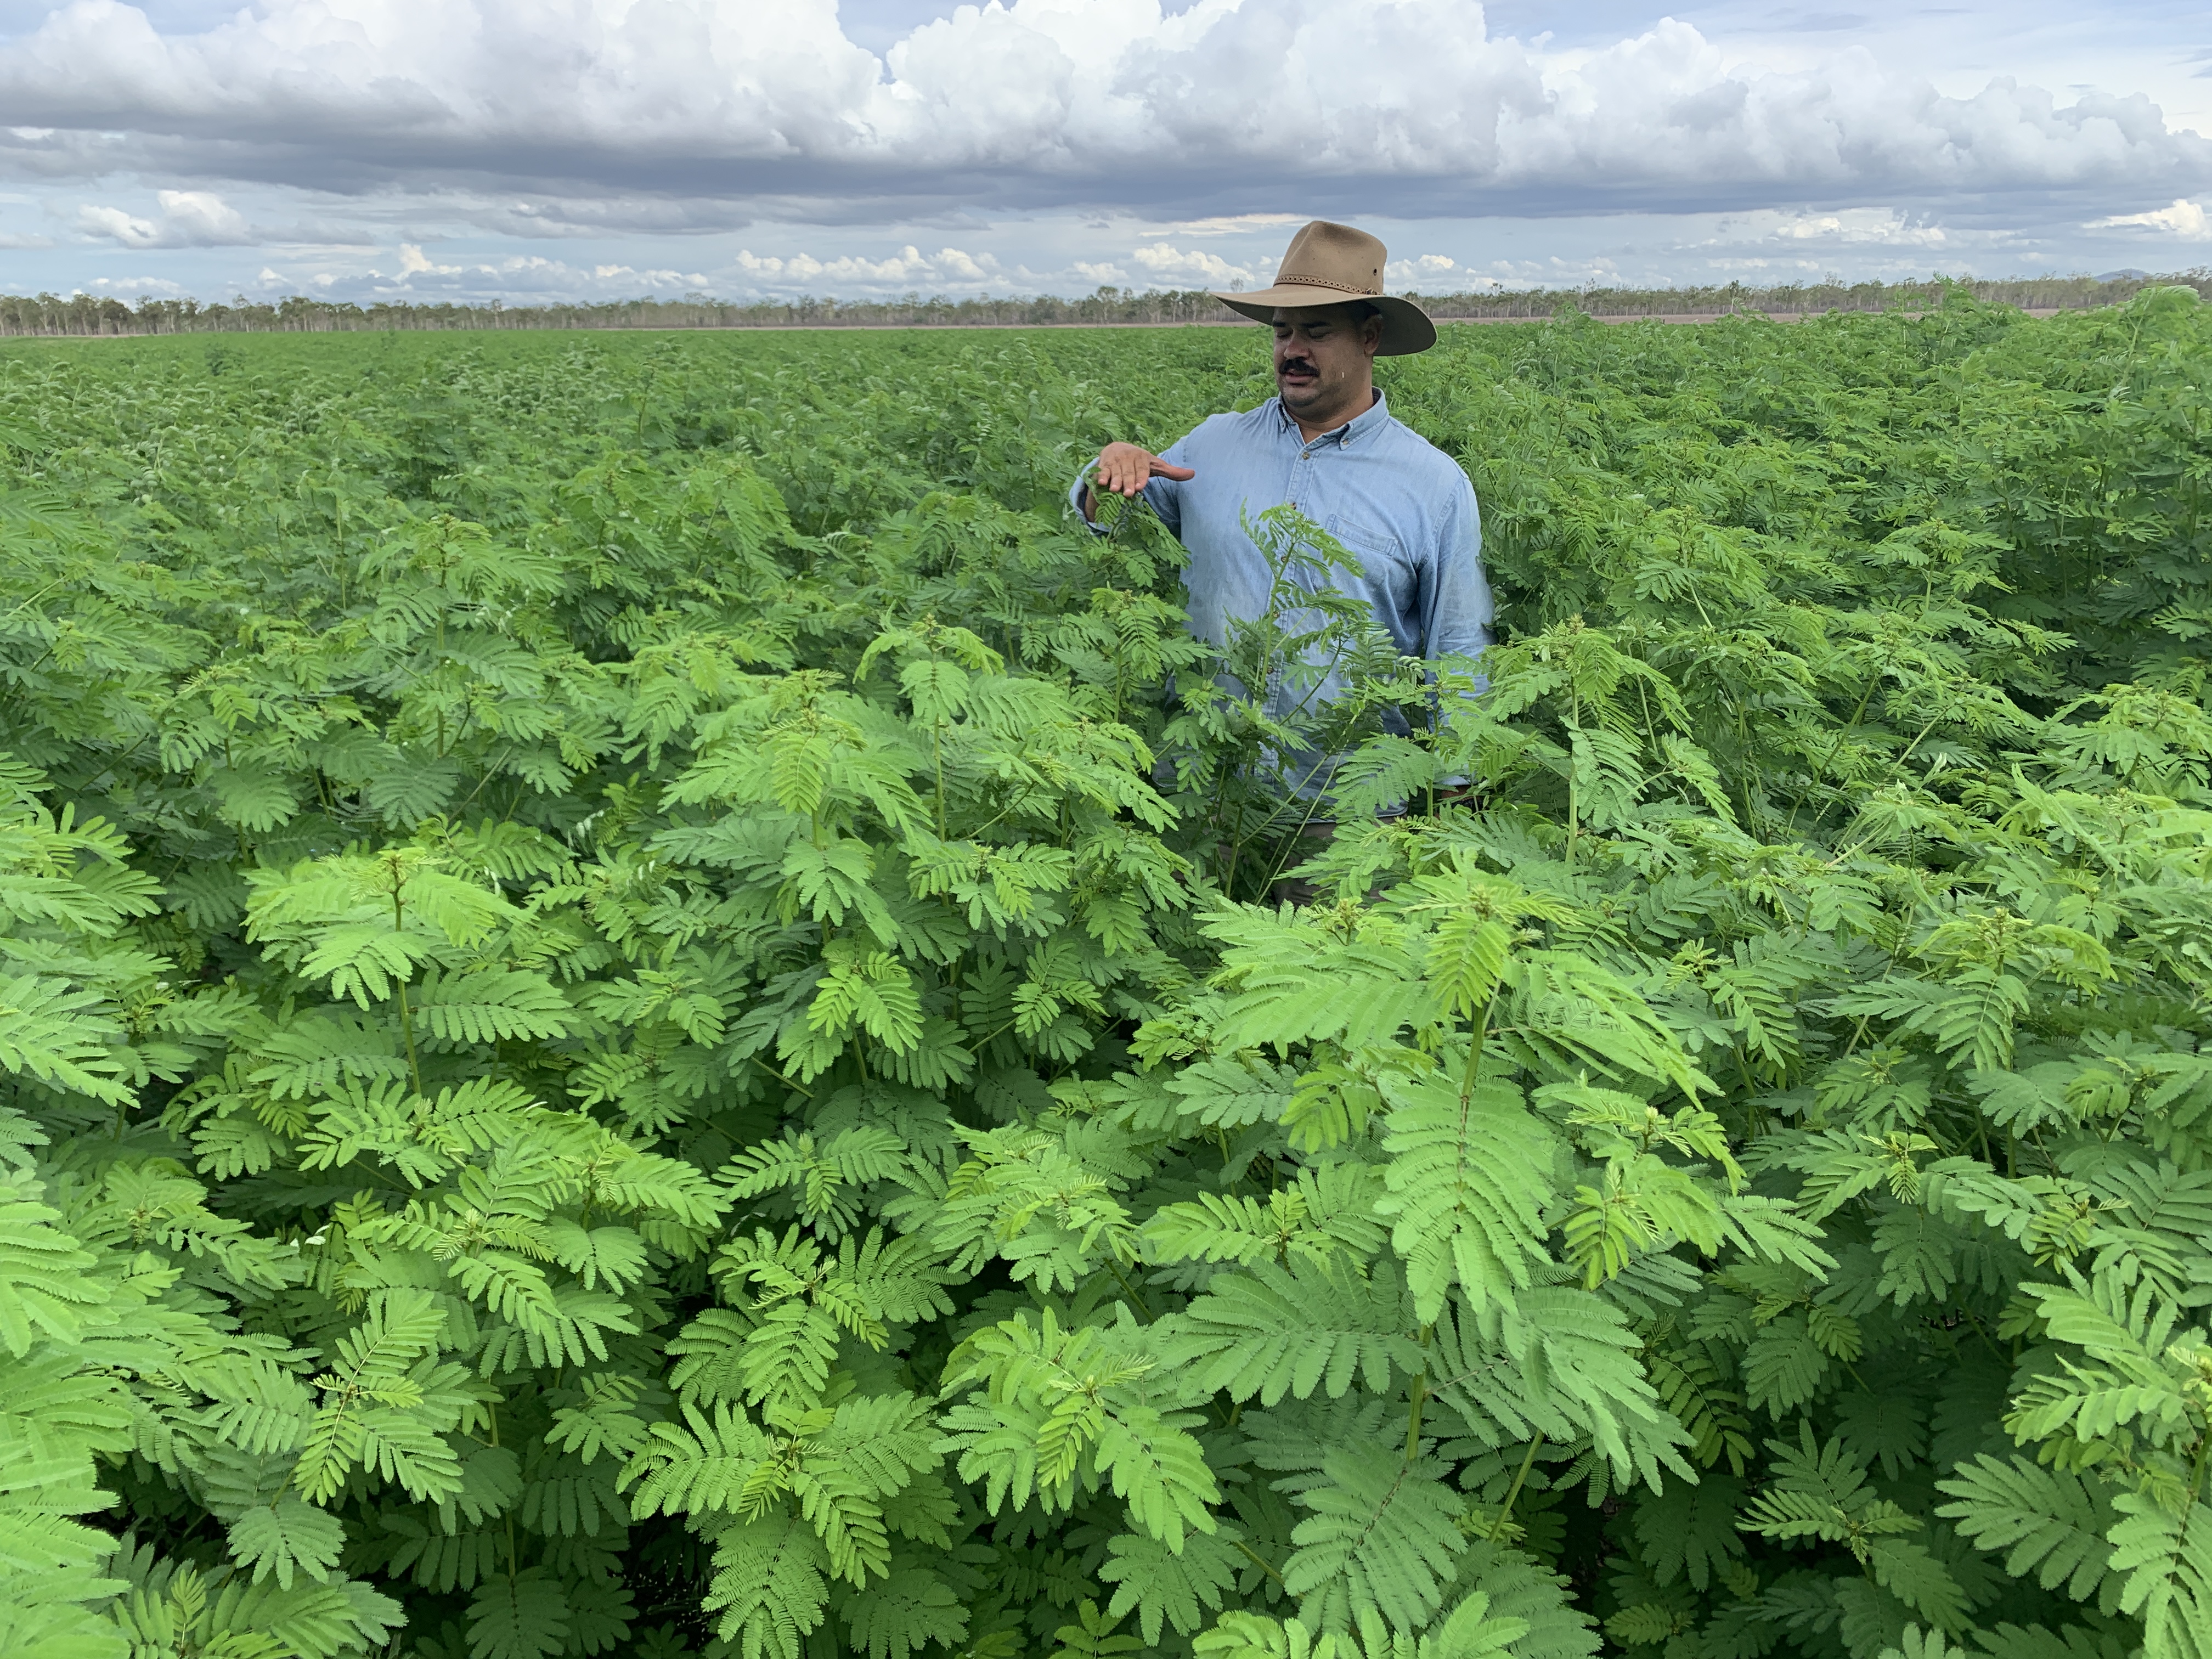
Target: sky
(593,149)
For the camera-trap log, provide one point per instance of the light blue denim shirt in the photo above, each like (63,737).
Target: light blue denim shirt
(1400,505)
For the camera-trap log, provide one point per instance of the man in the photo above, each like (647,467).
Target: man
(1326,445)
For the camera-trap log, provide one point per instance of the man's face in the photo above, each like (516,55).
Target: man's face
(1324,356)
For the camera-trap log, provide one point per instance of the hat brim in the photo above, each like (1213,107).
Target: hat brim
(1405,327)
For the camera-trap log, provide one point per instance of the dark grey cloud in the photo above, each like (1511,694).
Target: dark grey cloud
(559,119)
(1410,109)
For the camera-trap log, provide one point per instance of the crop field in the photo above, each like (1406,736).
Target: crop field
(642,1008)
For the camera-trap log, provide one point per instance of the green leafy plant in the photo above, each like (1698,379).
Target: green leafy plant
(642,1009)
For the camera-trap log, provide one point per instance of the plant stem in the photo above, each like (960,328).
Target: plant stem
(1144,1308)
(937,757)
(1473,1072)
(1420,1398)
(1505,1514)
(407,1032)
(1259,1561)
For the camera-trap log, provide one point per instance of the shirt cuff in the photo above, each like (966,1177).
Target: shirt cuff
(1075,499)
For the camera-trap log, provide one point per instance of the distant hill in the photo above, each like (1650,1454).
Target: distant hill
(2131,275)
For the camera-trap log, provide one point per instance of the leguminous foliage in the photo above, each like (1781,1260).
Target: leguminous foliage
(644,1007)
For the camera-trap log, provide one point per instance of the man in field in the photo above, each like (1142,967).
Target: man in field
(1326,444)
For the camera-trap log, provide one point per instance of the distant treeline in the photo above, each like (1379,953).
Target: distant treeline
(85,314)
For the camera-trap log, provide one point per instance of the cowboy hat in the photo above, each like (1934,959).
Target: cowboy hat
(1332,266)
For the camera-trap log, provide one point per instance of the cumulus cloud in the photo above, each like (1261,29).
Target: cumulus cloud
(1394,106)
(126,228)
(160,288)
(1437,273)
(421,271)
(1233,224)
(655,280)
(909,268)
(189,218)
(414,263)
(531,273)
(1423,268)
(1167,266)
(2185,219)
(1849,227)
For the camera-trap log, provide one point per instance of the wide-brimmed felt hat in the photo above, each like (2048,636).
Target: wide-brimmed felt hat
(1332,266)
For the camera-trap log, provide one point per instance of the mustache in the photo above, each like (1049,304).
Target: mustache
(1289,364)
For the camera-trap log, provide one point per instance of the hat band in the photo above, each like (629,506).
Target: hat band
(1285,279)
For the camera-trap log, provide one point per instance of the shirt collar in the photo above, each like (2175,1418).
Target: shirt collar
(1361,425)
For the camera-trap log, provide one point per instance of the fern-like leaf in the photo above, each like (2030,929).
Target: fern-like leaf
(2053,1522)
(525,1616)
(1470,1173)
(1275,1330)
(1382,1542)
(1162,1585)
(770,1587)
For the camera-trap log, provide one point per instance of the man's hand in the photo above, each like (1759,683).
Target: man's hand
(1125,468)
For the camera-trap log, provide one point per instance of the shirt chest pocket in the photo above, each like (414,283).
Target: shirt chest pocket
(1382,558)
